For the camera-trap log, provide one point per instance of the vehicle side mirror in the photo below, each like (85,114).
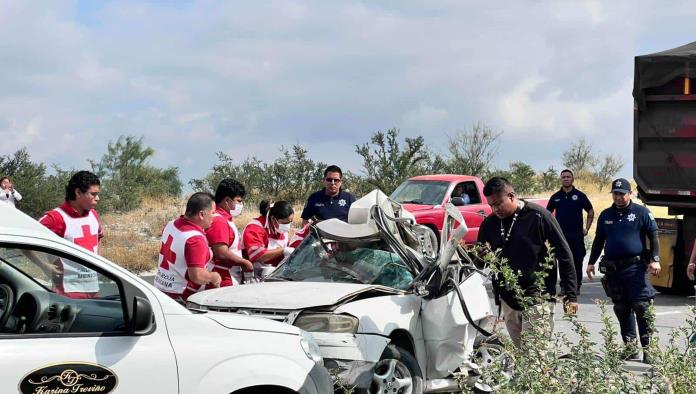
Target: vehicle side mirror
(457,201)
(143,320)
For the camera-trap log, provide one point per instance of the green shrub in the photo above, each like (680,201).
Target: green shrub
(553,364)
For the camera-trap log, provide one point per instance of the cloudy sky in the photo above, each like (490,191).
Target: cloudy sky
(195,78)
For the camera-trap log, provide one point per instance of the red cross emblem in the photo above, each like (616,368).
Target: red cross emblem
(88,240)
(168,255)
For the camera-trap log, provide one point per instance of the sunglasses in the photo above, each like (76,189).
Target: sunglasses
(332,180)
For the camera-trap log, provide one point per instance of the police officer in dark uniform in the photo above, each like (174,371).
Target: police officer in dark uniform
(621,231)
(568,203)
(330,202)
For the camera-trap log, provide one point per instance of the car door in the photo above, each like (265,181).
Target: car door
(56,342)
(448,334)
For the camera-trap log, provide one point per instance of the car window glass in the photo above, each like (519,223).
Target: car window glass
(420,192)
(356,261)
(55,294)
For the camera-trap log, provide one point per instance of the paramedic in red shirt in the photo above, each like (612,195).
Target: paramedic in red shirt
(78,222)
(223,236)
(184,254)
(266,237)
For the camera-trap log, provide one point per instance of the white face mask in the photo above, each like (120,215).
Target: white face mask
(284,227)
(237,209)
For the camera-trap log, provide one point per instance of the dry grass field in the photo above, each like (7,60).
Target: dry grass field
(132,239)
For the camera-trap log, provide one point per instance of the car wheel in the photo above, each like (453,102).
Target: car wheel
(492,354)
(396,372)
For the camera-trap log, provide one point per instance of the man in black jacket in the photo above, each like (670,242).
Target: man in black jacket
(520,230)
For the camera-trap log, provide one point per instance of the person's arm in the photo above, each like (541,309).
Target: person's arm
(256,245)
(551,206)
(16,195)
(587,206)
(218,235)
(650,228)
(566,267)
(197,255)
(202,276)
(307,213)
(299,236)
(588,222)
(271,254)
(654,266)
(224,256)
(597,246)
(691,267)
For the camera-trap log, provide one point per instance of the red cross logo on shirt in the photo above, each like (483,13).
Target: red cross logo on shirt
(88,240)
(168,255)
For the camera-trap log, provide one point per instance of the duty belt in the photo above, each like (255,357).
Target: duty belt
(609,266)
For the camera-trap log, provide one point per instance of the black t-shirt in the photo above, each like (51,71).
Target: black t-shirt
(526,250)
(569,207)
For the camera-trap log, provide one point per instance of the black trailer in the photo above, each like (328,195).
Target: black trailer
(664,154)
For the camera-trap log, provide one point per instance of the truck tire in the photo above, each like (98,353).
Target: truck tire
(397,371)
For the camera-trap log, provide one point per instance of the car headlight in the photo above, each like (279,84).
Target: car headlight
(327,322)
(310,347)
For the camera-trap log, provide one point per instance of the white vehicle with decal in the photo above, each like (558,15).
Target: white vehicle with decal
(390,313)
(130,338)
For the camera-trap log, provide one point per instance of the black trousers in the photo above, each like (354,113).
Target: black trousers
(577,247)
(630,313)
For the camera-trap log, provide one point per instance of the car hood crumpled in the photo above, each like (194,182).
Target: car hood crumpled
(284,295)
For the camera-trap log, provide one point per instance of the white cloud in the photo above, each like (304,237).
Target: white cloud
(246,77)
(425,117)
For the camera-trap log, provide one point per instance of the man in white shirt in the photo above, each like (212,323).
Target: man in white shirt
(8,194)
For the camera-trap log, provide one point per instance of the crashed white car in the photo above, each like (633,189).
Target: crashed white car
(378,298)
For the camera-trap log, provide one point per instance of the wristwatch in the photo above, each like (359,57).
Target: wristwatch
(656,259)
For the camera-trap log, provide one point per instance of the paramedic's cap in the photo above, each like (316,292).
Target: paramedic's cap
(621,185)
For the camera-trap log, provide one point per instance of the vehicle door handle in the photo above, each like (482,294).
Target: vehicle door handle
(482,213)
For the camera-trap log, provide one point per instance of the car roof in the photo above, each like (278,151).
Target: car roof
(444,177)
(15,221)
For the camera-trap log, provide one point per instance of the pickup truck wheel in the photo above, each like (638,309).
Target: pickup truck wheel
(396,372)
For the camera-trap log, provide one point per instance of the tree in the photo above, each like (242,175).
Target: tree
(386,164)
(523,177)
(40,192)
(579,158)
(548,180)
(472,151)
(250,173)
(292,176)
(606,169)
(126,175)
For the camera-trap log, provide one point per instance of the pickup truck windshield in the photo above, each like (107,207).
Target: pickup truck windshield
(356,261)
(421,192)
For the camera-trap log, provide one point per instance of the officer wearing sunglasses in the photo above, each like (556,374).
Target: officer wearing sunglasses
(330,202)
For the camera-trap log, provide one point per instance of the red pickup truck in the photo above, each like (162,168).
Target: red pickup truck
(424,196)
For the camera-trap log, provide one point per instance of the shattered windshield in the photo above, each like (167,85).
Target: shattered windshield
(363,261)
(420,192)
